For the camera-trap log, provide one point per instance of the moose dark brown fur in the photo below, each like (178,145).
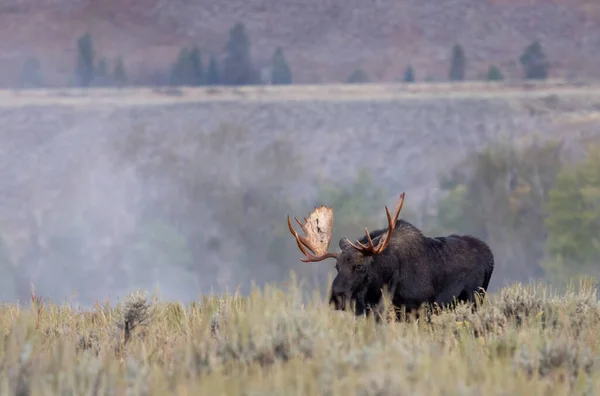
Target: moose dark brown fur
(414,268)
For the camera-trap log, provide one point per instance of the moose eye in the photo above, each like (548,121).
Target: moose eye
(360,269)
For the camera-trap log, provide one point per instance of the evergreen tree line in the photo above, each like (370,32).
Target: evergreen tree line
(237,67)
(90,70)
(533,60)
(188,68)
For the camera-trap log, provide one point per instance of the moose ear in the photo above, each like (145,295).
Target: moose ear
(344,243)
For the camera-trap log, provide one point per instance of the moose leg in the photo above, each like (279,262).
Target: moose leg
(412,310)
(360,308)
(378,311)
(468,295)
(453,294)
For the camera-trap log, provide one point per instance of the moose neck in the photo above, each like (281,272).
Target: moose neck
(382,274)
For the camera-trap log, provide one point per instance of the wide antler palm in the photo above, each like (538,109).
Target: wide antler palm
(318,229)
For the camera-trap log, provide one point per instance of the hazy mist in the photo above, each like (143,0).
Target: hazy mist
(186,191)
(193,198)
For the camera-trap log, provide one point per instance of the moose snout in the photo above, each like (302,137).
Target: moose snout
(339,295)
(338,301)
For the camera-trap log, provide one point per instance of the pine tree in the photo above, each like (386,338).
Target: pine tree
(573,220)
(30,74)
(574,210)
(494,74)
(458,64)
(237,66)
(101,75)
(534,62)
(196,68)
(409,74)
(181,71)
(119,74)
(212,74)
(280,71)
(102,67)
(187,68)
(85,60)
(358,76)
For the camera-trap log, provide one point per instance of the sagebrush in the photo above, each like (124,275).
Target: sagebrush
(523,340)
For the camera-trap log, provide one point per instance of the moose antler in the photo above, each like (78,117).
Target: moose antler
(318,229)
(371,249)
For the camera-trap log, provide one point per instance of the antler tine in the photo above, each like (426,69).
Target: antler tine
(371,249)
(299,239)
(366,249)
(391,225)
(318,228)
(303,245)
(371,246)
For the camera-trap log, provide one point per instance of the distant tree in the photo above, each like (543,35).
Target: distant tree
(573,220)
(212,74)
(197,70)
(102,75)
(356,203)
(102,67)
(494,74)
(30,74)
(237,66)
(119,74)
(187,68)
(280,71)
(181,72)
(534,62)
(85,60)
(499,194)
(357,76)
(409,74)
(457,64)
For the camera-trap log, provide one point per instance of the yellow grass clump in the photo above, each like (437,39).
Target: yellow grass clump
(524,340)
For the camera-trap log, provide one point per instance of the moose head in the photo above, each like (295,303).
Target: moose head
(355,263)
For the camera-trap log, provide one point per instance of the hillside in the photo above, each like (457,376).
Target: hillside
(58,156)
(324,40)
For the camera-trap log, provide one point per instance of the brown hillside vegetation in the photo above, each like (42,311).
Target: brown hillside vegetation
(324,40)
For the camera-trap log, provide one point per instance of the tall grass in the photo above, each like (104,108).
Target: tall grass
(524,340)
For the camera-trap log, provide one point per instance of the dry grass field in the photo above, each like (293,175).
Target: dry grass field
(524,340)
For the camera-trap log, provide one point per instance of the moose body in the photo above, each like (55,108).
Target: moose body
(415,269)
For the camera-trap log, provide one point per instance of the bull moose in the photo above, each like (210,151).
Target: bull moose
(416,269)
